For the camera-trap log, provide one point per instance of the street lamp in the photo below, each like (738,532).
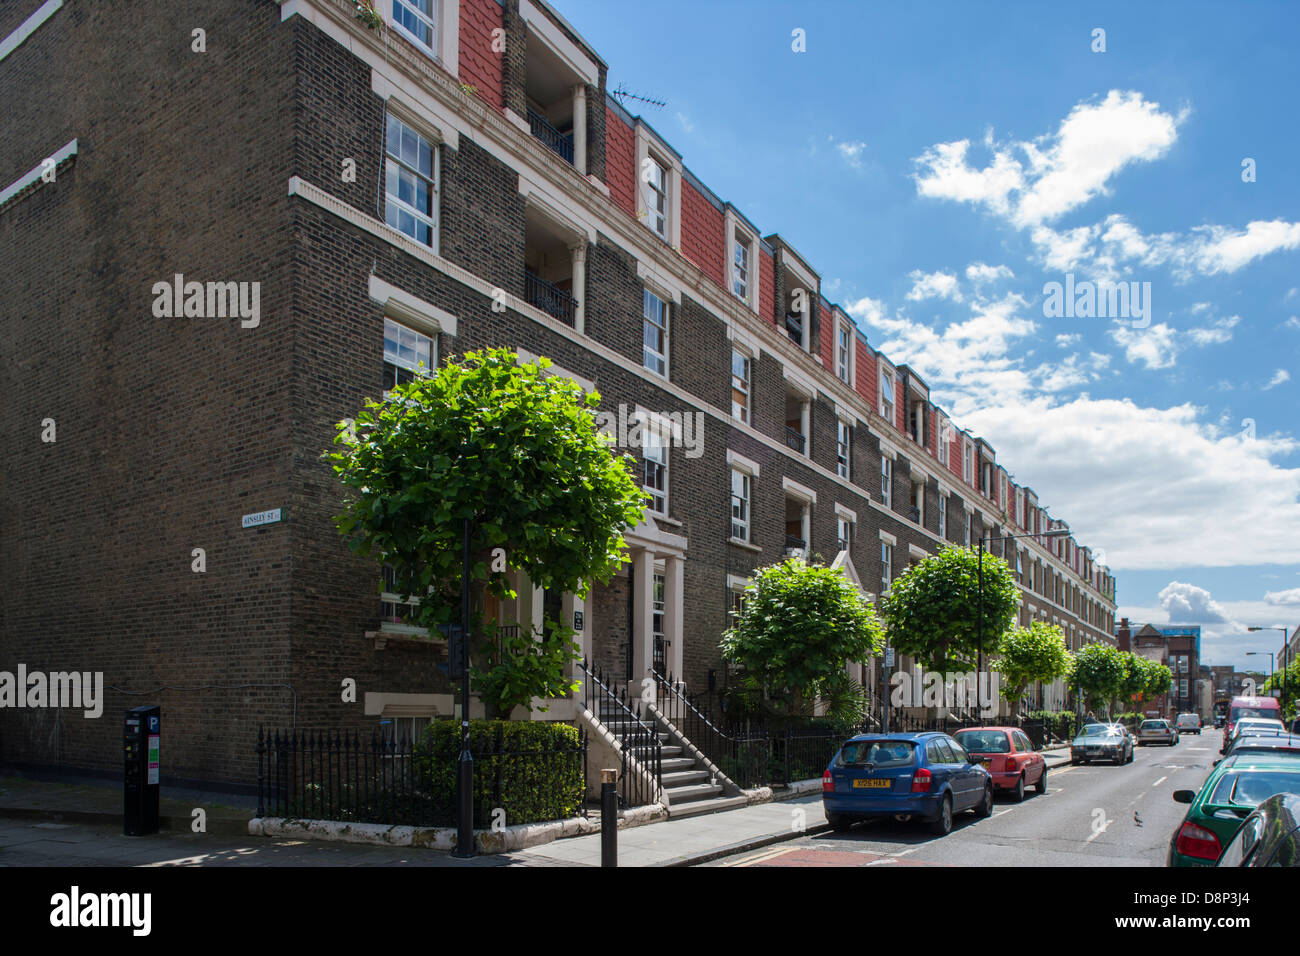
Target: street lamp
(979,590)
(1285,649)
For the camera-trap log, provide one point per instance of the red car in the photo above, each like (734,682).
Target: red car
(1010,758)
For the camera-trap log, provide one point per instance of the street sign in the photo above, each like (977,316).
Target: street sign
(577,620)
(260,518)
(889,657)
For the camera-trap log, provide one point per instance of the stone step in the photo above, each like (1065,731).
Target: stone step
(714,805)
(675,764)
(693,791)
(681,778)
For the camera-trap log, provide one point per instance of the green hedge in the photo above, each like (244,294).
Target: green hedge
(530,769)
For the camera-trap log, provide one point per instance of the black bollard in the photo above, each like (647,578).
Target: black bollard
(608,818)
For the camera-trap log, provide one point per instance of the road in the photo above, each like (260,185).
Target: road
(1096,815)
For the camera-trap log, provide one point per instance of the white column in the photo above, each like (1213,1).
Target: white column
(578,258)
(643,571)
(580,128)
(674,597)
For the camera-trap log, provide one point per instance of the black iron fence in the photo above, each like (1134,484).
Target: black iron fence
(549,297)
(640,775)
(353,777)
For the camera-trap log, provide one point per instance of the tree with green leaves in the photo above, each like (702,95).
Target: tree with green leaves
(1098,672)
(802,624)
(1027,654)
(1159,679)
(1287,680)
(932,610)
(514,451)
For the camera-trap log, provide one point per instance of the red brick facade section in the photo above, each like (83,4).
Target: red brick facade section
(620,161)
(866,382)
(479,66)
(900,404)
(703,234)
(767,287)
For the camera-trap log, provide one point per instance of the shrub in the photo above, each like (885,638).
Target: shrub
(531,770)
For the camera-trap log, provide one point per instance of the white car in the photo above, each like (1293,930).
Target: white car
(1188,724)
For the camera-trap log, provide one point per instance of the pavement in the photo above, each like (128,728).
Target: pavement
(44,823)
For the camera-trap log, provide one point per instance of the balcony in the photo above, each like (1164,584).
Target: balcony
(793,543)
(561,144)
(914,514)
(549,297)
(795,440)
(794,327)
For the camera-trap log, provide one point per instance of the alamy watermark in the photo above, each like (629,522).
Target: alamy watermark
(959,690)
(62,689)
(633,428)
(1101,300)
(211,300)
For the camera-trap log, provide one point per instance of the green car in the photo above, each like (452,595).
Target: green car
(1233,789)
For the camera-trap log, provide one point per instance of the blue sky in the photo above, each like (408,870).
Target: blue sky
(939,163)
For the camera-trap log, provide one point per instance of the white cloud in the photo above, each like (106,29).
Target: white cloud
(1218,332)
(1280,376)
(980,272)
(1059,171)
(1189,604)
(1154,347)
(1064,341)
(687,125)
(1289,598)
(933,285)
(1227,250)
(852,152)
(1292,323)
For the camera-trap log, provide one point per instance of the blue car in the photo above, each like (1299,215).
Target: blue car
(927,776)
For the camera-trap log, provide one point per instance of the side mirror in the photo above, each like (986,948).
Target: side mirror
(1184,796)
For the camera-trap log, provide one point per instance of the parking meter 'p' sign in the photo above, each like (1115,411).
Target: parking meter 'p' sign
(141,734)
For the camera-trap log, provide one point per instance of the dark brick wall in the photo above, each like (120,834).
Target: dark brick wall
(168,429)
(483,216)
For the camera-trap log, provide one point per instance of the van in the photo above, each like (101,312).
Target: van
(1251,707)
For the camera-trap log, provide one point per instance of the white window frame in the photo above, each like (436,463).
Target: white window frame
(943,440)
(742,267)
(886,481)
(650,147)
(844,532)
(739,234)
(887,385)
(969,531)
(943,514)
(746,410)
(968,462)
(747,504)
(656,498)
(887,544)
(843,447)
(400,364)
(434,179)
(647,353)
(652,194)
(432,20)
(844,352)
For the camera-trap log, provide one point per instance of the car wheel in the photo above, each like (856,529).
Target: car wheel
(1074,762)
(1130,755)
(839,822)
(1018,794)
(1119,759)
(985,808)
(1041,786)
(942,824)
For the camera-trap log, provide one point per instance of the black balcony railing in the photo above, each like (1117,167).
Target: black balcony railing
(794,327)
(795,439)
(548,297)
(561,144)
(914,514)
(792,542)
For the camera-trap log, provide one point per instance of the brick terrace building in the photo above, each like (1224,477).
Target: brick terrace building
(1178,647)
(384,189)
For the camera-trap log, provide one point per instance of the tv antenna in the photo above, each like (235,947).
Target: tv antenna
(622,93)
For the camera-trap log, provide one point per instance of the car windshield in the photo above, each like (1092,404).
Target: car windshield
(1250,788)
(1153,725)
(984,741)
(880,753)
(1240,713)
(1095,730)
(1255,726)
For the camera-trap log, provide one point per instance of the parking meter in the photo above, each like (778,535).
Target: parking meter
(140,736)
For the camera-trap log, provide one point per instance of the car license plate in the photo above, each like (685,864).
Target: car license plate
(872,784)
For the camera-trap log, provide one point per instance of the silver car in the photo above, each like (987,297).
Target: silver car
(1157,731)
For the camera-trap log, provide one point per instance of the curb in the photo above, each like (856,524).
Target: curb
(695,859)
(222,826)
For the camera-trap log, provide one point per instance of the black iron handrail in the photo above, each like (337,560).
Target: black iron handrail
(795,439)
(639,743)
